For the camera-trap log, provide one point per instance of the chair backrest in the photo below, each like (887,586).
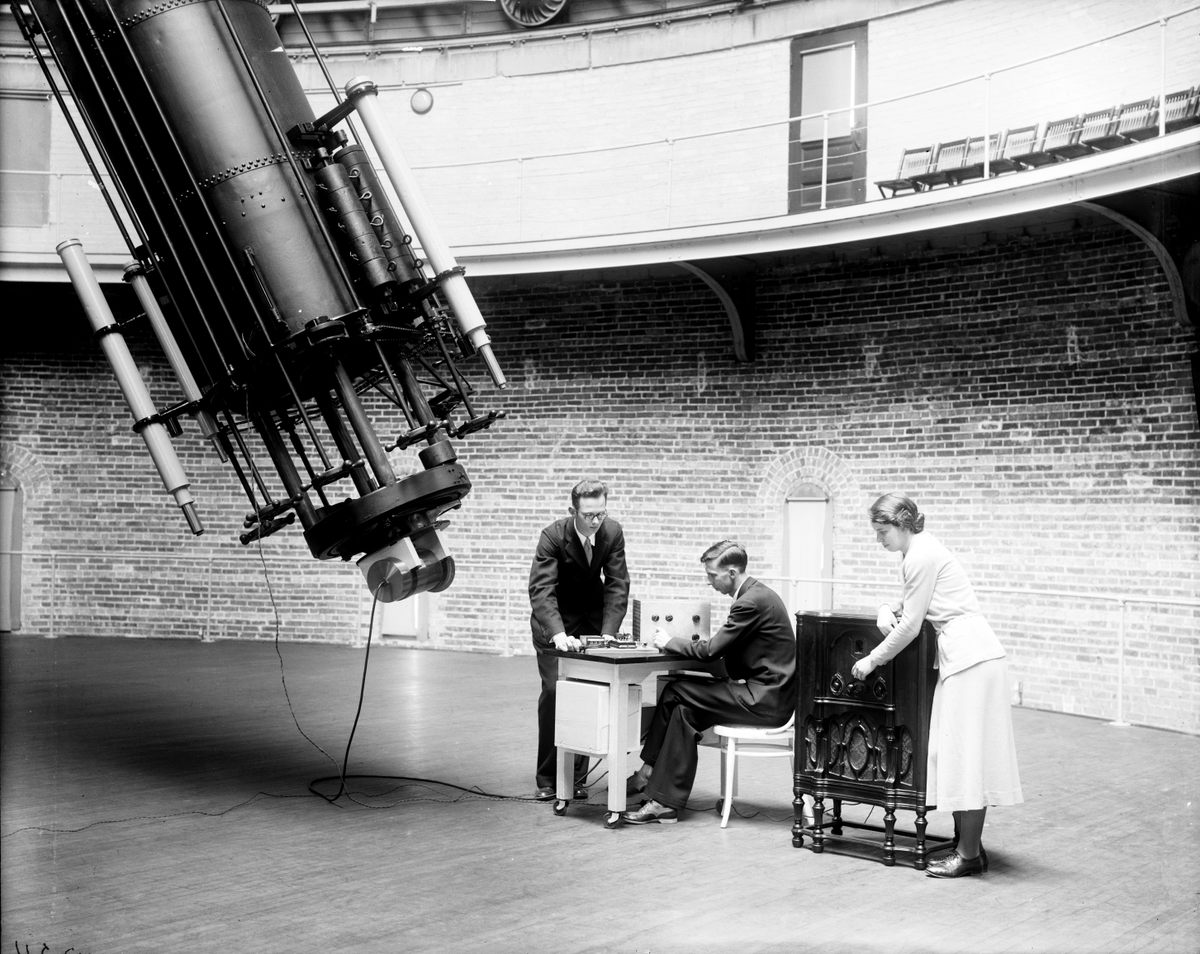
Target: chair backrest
(1061,132)
(915,161)
(1137,115)
(1019,141)
(1179,104)
(975,149)
(950,155)
(1099,122)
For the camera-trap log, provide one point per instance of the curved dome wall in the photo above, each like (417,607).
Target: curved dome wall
(650,125)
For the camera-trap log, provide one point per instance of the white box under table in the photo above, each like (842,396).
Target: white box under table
(582,712)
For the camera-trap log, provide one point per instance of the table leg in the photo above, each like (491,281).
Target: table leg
(618,748)
(565,780)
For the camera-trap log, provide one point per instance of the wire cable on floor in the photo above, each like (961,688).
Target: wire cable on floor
(132,818)
(343,775)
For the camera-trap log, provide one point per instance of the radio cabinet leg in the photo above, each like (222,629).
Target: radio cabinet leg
(818,836)
(889,838)
(798,821)
(919,862)
(836,827)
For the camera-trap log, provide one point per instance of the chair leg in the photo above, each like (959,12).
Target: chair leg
(724,750)
(729,779)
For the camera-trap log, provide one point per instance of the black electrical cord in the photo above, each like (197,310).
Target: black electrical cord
(342,776)
(282,672)
(362,691)
(116,821)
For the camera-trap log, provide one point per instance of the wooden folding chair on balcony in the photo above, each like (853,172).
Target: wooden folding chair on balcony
(912,162)
(1094,128)
(1103,134)
(1057,132)
(947,158)
(972,164)
(1136,121)
(1016,142)
(1181,109)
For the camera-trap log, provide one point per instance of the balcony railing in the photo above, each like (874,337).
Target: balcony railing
(735,176)
(738,175)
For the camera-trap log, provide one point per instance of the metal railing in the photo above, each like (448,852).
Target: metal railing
(1120,600)
(195,581)
(665,182)
(347,604)
(655,159)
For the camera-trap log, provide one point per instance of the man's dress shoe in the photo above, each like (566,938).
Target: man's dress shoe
(547,792)
(649,813)
(955,865)
(634,784)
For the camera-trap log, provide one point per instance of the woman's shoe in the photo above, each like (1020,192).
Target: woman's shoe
(955,866)
(954,844)
(942,853)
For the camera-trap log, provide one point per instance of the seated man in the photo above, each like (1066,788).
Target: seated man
(758,645)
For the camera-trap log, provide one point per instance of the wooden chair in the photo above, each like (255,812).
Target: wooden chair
(1094,127)
(752,741)
(912,162)
(1181,109)
(946,159)
(972,165)
(1057,133)
(1016,142)
(1105,134)
(1136,121)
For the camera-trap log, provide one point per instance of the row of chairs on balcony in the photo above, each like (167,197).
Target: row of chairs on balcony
(1026,147)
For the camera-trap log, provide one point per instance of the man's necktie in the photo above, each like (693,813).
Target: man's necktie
(587,550)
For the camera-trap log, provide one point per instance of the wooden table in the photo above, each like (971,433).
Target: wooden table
(619,669)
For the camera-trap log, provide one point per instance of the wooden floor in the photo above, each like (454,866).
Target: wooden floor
(155,798)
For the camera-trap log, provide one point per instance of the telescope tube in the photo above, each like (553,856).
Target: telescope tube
(362,92)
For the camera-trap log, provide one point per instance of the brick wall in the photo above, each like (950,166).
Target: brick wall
(1034,397)
(1032,394)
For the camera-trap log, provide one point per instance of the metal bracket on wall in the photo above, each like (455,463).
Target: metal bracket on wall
(735,290)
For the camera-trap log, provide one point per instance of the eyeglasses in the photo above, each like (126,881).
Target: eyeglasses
(592,517)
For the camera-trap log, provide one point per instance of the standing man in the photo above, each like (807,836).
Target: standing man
(758,645)
(578,585)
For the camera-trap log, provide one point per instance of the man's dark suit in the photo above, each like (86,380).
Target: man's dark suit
(569,595)
(758,645)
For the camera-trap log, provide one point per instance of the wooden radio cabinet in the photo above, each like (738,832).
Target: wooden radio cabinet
(862,741)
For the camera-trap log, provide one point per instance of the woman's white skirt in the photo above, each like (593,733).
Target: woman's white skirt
(972,757)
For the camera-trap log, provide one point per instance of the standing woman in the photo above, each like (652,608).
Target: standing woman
(972,758)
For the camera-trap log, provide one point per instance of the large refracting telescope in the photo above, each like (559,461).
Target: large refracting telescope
(279,278)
